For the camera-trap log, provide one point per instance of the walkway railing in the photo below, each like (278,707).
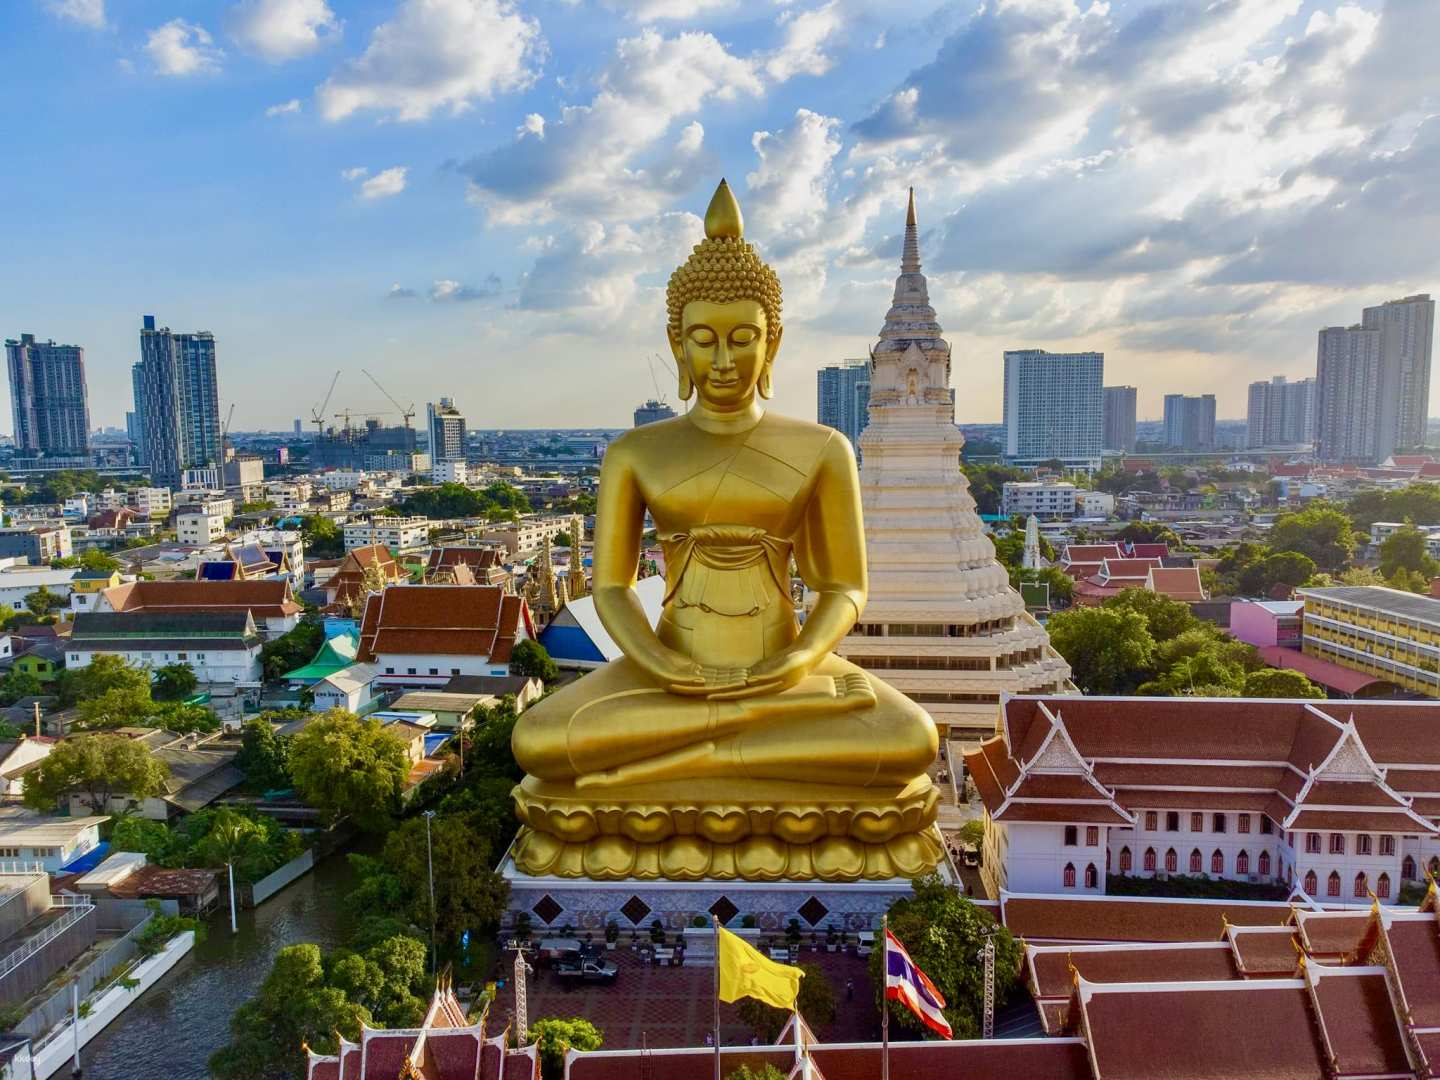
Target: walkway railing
(74,913)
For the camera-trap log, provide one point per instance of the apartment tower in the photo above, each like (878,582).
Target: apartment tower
(48,398)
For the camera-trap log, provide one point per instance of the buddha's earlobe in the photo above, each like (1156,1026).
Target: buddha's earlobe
(764,387)
(687,385)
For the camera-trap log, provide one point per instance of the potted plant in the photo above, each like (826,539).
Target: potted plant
(747,922)
(567,931)
(612,934)
(792,934)
(832,939)
(522,927)
(657,933)
(698,922)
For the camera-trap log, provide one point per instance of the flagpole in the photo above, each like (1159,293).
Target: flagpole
(715,922)
(884,998)
(800,1057)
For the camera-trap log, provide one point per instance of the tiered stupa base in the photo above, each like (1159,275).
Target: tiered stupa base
(756,831)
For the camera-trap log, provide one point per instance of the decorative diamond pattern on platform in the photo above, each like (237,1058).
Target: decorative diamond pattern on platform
(635,910)
(724,910)
(812,911)
(546,909)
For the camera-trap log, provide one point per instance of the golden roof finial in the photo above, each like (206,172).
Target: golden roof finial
(722,216)
(910,213)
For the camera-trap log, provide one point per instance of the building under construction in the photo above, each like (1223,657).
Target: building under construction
(355,447)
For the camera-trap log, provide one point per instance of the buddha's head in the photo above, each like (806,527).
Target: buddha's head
(724,307)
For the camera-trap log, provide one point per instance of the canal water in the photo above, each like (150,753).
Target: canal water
(185,1017)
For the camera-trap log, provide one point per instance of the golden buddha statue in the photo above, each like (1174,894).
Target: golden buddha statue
(729,741)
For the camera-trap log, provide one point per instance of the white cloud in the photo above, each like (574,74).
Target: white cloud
(656,10)
(806,33)
(400,292)
(534,125)
(353,173)
(382,185)
(601,160)
(446,290)
(180,48)
(89,13)
(437,54)
(279,30)
(285,108)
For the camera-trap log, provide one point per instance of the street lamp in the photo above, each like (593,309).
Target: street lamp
(430,861)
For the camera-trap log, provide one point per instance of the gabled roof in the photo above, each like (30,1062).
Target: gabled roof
(1178,583)
(265,599)
(441,620)
(216,629)
(337,653)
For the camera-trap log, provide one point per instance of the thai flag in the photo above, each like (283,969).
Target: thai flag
(906,983)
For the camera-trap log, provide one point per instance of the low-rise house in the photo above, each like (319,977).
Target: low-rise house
(525,689)
(196,891)
(221,646)
(38,543)
(87,585)
(399,534)
(422,635)
(42,659)
(351,688)
(199,527)
(18,757)
(17,583)
(450,710)
(1265,623)
(53,842)
(269,602)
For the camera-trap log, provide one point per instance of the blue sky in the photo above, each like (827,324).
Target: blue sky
(483,199)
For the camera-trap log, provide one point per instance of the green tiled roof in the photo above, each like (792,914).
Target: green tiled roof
(336,654)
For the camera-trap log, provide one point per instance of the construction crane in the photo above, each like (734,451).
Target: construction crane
(225,427)
(407,413)
(317,414)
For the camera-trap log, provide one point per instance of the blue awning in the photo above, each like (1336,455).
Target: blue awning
(434,741)
(87,862)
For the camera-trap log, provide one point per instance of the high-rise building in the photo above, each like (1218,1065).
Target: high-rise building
(1054,407)
(1120,418)
(652,411)
(842,397)
(177,401)
(942,623)
(447,431)
(47,395)
(298,429)
(1190,421)
(1280,413)
(1373,382)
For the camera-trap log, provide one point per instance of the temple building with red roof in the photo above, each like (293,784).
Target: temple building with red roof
(424,635)
(270,602)
(1337,800)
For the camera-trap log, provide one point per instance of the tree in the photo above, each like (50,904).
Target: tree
(42,603)
(530,658)
(1150,532)
(943,932)
(349,767)
(292,649)
(96,560)
(106,671)
(97,768)
(296,1007)
(1165,618)
(555,1036)
(174,682)
(120,707)
(264,755)
(1405,549)
(816,1002)
(19,684)
(1322,531)
(1278,683)
(494,726)
(1062,585)
(323,538)
(1110,651)
(469,895)
(253,845)
(762,1072)
(973,833)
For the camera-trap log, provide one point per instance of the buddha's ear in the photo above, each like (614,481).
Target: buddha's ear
(772,344)
(687,384)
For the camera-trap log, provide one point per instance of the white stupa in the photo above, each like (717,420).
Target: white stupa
(942,624)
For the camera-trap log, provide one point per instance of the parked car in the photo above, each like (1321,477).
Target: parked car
(586,970)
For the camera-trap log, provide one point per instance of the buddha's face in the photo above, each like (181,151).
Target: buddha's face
(725,349)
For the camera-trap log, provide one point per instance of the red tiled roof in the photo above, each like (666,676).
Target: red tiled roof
(1317,669)
(1044,918)
(1359,819)
(442,620)
(1265,951)
(1178,583)
(1331,933)
(1149,551)
(1087,813)
(264,599)
(1127,569)
(1415,951)
(1358,1022)
(1096,553)
(1049,968)
(1237,1029)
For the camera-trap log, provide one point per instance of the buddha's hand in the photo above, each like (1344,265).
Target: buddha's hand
(774,674)
(672,671)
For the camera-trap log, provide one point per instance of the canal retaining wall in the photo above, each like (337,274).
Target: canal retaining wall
(55,1053)
(273,882)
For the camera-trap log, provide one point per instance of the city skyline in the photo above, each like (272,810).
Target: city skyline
(422,223)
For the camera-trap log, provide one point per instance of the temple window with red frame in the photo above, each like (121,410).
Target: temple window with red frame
(1069,878)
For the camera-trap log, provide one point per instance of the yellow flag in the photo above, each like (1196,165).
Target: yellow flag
(745,972)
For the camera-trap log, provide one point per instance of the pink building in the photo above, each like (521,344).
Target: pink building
(1267,622)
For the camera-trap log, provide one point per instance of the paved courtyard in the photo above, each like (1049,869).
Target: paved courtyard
(672,1006)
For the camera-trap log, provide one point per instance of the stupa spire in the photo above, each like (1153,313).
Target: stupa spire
(910,257)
